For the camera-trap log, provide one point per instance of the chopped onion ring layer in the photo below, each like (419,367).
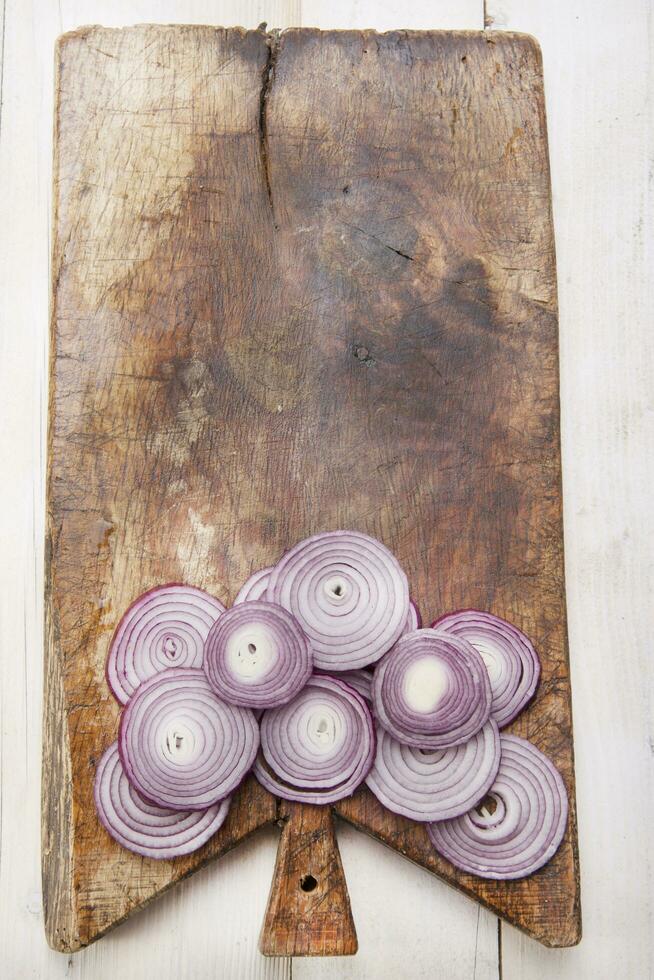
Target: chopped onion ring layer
(319,747)
(254,588)
(512,663)
(257,656)
(181,746)
(348,593)
(413,620)
(434,785)
(165,627)
(431,691)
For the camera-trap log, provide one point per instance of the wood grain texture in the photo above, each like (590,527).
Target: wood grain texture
(131,475)
(308,910)
(286,303)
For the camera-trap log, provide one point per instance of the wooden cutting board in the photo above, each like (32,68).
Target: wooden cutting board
(300,283)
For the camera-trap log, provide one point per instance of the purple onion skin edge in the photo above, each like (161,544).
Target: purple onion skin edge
(377,541)
(233,792)
(424,822)
(503,877)
(455,742)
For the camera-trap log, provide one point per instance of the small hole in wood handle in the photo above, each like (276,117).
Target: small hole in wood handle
(308,883)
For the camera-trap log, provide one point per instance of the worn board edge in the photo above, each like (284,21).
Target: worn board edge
(56,772)
(57,818)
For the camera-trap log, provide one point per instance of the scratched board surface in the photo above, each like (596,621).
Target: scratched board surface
(301,282)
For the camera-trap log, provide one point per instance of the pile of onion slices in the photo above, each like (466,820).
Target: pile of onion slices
(320,678)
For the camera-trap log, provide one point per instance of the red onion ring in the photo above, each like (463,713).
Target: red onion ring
(512,663)
(165,627)
(319,747)
(181,746)
(413,620)
(360,681)
(144,828)
(526,827)
(426,786)
(254,588)
(348,593)
(257,656)
(431,691)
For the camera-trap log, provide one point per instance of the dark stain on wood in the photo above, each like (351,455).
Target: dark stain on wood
(295,290)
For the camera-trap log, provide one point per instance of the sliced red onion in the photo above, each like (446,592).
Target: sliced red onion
(512,663)
(254,588)
(165,627)
(432,690)
(144,828)
(348,593)
(434,785)
(319,747)
(413,620)
(518,827)
(183,747)
(257,655)
(360,680)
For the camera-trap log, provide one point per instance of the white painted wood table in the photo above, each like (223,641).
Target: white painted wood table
(598,74)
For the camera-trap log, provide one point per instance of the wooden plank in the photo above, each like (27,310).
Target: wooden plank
(577,53)
(202,401)
(397,908)
(460,298)
(227,13)
(598,83)
(25,145)
(172,96)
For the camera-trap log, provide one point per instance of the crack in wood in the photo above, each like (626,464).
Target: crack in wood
(272,40)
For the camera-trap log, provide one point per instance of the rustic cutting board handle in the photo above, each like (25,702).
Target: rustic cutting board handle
(308,910)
